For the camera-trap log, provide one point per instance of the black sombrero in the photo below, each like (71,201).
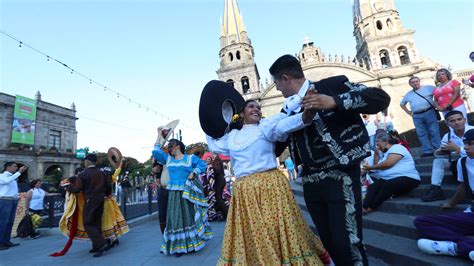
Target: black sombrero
(219,102)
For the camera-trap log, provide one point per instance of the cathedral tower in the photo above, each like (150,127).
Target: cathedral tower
(237,66)
(382,40)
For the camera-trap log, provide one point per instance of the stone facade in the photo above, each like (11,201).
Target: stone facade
(386,57)
(55,139)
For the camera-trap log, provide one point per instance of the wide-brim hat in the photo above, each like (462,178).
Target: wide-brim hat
(219,102)
(114,156)
(170,126)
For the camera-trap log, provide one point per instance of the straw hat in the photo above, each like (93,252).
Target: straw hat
(170,127)
(114,156)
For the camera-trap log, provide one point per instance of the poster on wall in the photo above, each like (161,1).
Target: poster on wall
(24,116)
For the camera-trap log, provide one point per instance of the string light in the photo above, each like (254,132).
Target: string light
(50,58)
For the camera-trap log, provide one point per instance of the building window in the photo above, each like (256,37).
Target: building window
(389,23)
(403,54)
(230,82)
(379,25)
(231,57)
(384,59)
(245,84)
(237,55)
(55,139)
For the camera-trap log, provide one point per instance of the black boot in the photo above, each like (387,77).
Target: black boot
(435,193)
(162,227)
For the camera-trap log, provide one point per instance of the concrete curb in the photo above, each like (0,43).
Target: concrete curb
(143,219)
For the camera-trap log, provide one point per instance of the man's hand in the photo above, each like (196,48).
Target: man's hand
(316,101)
(23,169)
(191,176)
(451,146)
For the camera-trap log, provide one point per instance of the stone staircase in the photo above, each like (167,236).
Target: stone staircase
(389,233)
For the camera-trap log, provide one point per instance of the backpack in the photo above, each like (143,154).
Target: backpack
(25,228)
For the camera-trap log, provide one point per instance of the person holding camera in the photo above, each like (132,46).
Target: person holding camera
(452,148)
(8,202)
(447,94)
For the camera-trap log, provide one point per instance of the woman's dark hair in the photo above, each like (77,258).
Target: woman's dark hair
(179,143)
(34,182)
(448,74)
(240,123)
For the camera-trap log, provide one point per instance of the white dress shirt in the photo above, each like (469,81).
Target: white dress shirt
(8,185)
(292,103)
(252,148)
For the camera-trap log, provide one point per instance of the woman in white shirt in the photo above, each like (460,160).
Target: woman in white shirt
(395,171)
(35,200)
(264,224)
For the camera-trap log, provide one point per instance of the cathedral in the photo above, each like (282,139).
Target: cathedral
(386,57)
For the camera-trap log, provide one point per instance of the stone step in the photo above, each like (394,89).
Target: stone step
(389,223)
(418,192)
(395,249)
(414,206)
(391,236)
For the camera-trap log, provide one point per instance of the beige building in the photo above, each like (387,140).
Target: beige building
(386,57)
(53,152)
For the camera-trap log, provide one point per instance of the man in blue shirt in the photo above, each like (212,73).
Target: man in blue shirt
(423,114)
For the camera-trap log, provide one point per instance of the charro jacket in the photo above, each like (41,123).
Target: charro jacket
(337,138)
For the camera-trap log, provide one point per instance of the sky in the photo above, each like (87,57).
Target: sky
(161,53)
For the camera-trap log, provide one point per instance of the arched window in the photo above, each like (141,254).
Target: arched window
(237,55)
(379,25)
(230,82)
(231,57)
(384,59)
(403,54)
(389,23)
(245,84)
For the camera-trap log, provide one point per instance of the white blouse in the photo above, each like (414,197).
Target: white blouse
(252,148)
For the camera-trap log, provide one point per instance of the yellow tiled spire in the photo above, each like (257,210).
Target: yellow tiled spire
(232,24)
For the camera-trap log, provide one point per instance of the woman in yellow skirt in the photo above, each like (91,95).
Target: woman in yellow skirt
(114,224)
(264,224)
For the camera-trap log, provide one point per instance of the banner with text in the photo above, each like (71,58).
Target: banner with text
(24,116)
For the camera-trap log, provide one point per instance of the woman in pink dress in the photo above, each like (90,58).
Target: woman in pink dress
(447,95)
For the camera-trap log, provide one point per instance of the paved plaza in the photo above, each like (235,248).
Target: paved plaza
(138,247)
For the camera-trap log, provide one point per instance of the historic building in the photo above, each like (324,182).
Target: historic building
(52,154)
(386,56)
(238,67)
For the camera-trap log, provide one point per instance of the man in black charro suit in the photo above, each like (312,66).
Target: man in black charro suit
(330,149)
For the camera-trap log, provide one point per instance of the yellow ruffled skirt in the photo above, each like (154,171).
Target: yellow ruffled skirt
(265,225)
(113,222)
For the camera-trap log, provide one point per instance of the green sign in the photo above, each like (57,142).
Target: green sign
(81,153)
(24,116)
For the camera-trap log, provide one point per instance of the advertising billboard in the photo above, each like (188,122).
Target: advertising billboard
(24,116)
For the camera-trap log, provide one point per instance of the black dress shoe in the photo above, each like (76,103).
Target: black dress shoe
(102,249)
(3,247)
(93,250)
(10,244)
